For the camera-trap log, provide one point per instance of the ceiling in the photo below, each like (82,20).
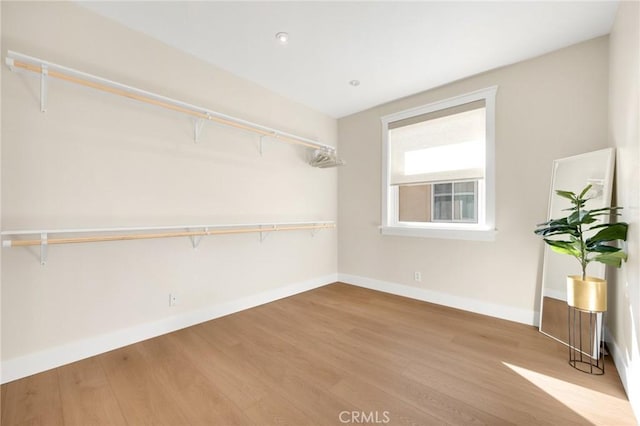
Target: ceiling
(394,49)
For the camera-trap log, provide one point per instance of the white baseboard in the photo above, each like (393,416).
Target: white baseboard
(556,294)
(499,311)
(27,365)
(626,372)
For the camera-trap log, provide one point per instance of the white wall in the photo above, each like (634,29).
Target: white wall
(97,160)
(549,107)
(1,72)
(624,134)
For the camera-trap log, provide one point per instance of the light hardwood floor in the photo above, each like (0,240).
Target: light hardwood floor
(338,353)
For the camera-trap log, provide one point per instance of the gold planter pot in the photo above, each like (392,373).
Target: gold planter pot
(589,294)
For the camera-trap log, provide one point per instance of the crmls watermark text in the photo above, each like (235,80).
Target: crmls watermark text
(381,417)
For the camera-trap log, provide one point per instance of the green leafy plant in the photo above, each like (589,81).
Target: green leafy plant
(583,240)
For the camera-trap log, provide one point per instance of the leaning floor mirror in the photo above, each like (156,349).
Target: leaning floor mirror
(572,174)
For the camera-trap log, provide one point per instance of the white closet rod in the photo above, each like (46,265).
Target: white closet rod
(18,60)
(194,232)
(142,233)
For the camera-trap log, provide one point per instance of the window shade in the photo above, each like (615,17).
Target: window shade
(443,145)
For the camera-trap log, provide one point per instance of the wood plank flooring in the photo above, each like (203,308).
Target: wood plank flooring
(331,356)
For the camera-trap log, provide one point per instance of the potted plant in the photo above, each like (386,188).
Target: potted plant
(579,235)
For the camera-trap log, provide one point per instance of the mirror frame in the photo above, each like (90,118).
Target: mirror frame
(586,175)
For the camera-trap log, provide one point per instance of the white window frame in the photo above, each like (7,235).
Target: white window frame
(484,230)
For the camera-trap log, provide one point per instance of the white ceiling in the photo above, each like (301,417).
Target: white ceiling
(394,49)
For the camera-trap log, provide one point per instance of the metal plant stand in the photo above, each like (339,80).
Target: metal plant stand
(586,354)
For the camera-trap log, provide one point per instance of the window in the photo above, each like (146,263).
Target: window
(438,169)
(455,202)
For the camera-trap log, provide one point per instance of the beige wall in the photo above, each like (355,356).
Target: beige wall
(96,160)
(549,107)
(624,134)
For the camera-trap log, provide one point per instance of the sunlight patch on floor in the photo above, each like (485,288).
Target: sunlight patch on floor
(576,398)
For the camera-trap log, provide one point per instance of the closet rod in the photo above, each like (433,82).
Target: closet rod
(44,68)
(145,236)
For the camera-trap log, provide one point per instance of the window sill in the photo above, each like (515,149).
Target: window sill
(448,231)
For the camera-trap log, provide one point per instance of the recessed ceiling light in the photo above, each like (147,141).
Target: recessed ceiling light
(282,37)
(355,83)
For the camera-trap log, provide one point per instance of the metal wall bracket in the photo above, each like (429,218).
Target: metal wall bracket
(43,88)
(262,144)
(198,124)
(10,63)
(43,249)
(195,239)
(273,135)
(265,233)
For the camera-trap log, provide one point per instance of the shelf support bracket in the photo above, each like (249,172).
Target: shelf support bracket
(264,234)
(262,144)
(195,239)
(262,139)
(43,248)
(10,63)
(198,124)
(43,88)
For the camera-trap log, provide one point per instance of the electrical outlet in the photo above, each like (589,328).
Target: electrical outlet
(417,276)
(173,299)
